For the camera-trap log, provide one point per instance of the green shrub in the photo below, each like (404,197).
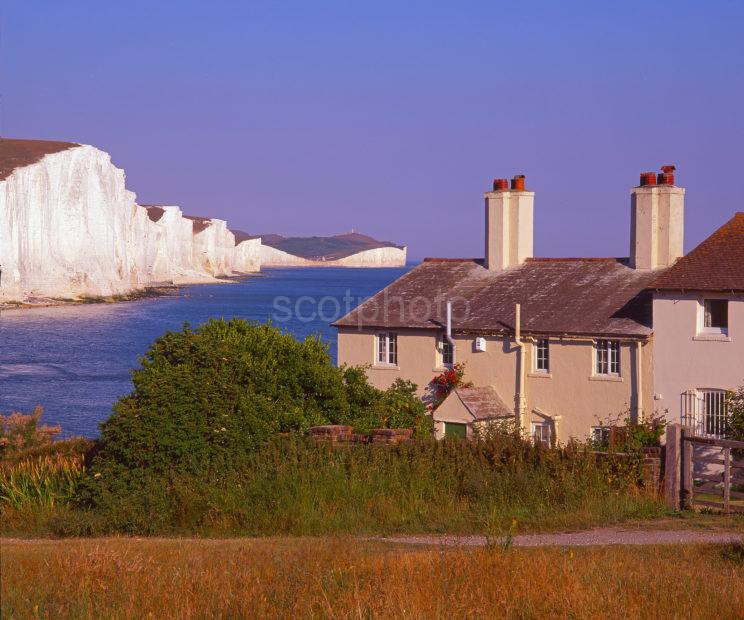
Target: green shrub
(204,399)
(631,435)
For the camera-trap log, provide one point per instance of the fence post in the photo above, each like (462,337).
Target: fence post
(687,448)
(672,474)
(727,480)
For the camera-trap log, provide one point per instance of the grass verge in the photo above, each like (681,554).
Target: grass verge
(341,578)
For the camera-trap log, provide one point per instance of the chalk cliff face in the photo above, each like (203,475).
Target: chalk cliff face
(170,254)
(377,257)
(247,256)
(69,228)
(214,245)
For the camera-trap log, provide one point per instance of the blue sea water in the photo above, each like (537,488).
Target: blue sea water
(76,361)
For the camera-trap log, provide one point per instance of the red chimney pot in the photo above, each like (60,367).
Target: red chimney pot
(666,177)
(648,178)
(517,183)
(500,184)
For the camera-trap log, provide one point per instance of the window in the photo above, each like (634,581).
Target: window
(715,316)
(600,436)
(446,352)
(542,433)
(608,357)
(542,355)
(387,348)
(706,412)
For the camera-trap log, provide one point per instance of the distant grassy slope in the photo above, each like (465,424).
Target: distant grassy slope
(337,578)
(319,248)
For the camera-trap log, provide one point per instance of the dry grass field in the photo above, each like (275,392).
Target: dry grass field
(346,578)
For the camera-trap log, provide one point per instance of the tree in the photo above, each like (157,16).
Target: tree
(205,398)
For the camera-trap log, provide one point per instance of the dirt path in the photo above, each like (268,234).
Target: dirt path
(602,536)
(586,538)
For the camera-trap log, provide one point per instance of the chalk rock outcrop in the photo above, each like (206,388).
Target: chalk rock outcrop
(69,228)
(247,255)
(376,257)
(345,250)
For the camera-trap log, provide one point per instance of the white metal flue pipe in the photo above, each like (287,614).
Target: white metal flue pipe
(449,329)
(520,399)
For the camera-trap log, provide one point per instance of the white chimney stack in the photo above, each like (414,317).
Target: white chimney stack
(657,227)
(509,224)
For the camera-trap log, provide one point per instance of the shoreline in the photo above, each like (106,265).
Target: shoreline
(148,292)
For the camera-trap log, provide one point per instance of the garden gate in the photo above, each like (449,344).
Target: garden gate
(703,471)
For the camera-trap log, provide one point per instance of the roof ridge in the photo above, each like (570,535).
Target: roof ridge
(430,259)
(560,259)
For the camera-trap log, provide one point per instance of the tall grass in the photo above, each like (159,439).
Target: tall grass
(336,578)
(40,483)
(294,486)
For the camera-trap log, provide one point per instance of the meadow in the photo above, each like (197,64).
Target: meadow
(345,578)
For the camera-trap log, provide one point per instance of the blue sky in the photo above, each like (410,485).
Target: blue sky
(392,118)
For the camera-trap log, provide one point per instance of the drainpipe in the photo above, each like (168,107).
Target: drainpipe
(520,398)
(449,331)
(639,381)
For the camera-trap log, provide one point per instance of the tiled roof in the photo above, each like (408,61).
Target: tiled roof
(19,153)
(483,403)
(717,264)
(558,296)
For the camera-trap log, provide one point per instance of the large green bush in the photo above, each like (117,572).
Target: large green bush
(206,398)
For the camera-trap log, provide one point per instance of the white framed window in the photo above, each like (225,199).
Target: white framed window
(713,316)
(542,355)
(387,348)
(607,358)
(705,411)
(542,432)
(600,435)
(446,352)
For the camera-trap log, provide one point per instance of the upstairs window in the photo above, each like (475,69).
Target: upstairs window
(542,355)
(387,348)
(608,358)
(446,352)
(715,316)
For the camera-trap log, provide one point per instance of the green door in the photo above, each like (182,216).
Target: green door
(455,431)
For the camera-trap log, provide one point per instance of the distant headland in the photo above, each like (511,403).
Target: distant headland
(70,231)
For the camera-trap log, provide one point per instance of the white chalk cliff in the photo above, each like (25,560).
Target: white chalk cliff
(377,257)
(70,229)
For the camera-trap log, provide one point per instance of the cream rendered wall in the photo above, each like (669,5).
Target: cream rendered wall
(685,361)
(570,396)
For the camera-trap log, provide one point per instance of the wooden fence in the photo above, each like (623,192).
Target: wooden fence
(703,471)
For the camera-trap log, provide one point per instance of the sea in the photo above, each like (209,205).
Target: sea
(76,360)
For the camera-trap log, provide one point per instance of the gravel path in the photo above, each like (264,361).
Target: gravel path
(602,536)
